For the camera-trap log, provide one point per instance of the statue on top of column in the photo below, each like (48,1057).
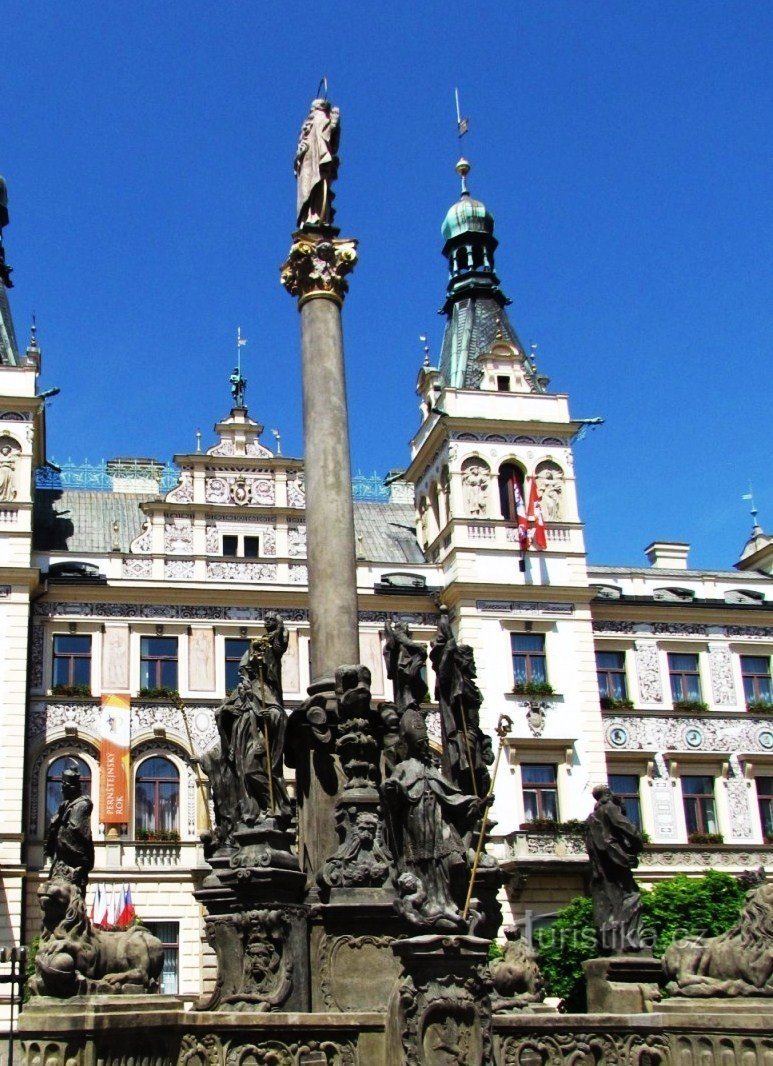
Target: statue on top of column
(316,164)
(405,659)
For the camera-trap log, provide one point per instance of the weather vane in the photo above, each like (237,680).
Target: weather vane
(462,127)
(425,342)
(750,497)
(238,383)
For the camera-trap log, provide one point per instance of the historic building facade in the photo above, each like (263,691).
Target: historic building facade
(656,677)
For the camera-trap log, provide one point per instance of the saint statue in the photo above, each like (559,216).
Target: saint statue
(68,843)
(7,472)
(476,482)
(316,164)
(614,844)
(426,818)
(467,750)
(405,659)
(252,725)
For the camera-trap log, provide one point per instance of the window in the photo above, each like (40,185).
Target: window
(765,800)
(157,797)
(626,788)
(685,680)
(755,670)
(251,546)
(234,649)
(169,935)
(72,660)
(610,670)
(540,799)
(700,812)
(529,662)
(230,545)
(236,544)
(158,662)
(503,383)
(54,782)
(510,490)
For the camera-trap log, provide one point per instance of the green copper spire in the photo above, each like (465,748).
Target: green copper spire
(475,303)
(9,353)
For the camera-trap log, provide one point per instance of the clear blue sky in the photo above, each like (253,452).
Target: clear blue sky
(624,149)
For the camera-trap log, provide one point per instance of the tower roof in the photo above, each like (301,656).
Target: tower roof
(475,304)
(9,352)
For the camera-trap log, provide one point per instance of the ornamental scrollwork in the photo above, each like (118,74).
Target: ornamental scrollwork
(316,267)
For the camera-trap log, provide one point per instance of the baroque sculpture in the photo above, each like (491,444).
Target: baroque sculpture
(7,471)
(252,724)
(467,750)
(738,962)
(517,979)
(316,164)
(614,844)
(427,817)
(476,481)
(69,844)
(405,664)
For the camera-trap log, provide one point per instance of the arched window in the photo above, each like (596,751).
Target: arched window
(54,782)
(510,490)
(157,798)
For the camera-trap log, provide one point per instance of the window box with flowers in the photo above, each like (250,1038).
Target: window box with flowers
(759,707)
(612,703)
(691,706)
(705,838)
(533,688)
(80,692)
(158,836)
(170,694)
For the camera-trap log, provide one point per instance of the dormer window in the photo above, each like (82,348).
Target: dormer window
(744,596)
(674,594)
(503,383)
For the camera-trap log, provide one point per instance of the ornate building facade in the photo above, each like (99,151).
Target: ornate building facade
(658,678)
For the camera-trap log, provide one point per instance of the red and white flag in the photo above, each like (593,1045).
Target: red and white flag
(537,535)
(126,908)
(521,516)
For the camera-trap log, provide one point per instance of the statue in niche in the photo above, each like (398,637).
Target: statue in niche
(316,164)
(614,844)
(252,724)
(426,817)
(550,484)
(476,481)
(7,471)
(405,660)
(467,750)
(69,844)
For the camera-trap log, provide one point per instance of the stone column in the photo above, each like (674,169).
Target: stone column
(315,272)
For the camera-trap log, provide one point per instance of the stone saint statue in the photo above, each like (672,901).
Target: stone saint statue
(68,843)
(405,660)
(426,817)
(316,164)
(614,844)
(252,725)
(467,750)
(476,482)
(7,472)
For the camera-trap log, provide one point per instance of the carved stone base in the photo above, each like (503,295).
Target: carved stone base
(257,923)
(353,965)
(623,984)
(440,1008)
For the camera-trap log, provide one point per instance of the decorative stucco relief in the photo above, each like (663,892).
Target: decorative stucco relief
(141,543)
(296,542)
(182,493)
(648,672)
(721,668)
(136,568)
(710,733)
(178,535)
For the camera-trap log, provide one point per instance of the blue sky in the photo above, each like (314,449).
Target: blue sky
(624,149)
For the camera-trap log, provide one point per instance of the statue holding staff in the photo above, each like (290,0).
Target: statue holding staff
(316,164)
(405,659)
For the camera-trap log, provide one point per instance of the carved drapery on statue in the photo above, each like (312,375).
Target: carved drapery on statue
(467,750)
(614,844)
(68,843)
(405,659)
(427,818)
(316,164)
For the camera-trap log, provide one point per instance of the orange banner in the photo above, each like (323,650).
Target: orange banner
(114,759)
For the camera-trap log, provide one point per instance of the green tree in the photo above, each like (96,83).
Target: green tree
(681,906)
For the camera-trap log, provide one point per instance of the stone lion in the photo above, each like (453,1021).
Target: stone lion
(75,958)
(736,963)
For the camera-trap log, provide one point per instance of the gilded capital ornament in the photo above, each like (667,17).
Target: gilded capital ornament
(317,267)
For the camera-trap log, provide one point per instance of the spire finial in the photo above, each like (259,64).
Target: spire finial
(238,383)
(34,331)
(425,342)
(462,127)
(752,510)
(198,440)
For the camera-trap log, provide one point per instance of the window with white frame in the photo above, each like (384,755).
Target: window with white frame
(765,802)
(158,663)
(540,791)
(71,662)
(610,671)
(755,671)
(700,808)
(685,676)
(157,799)
(240,545)
(625,788)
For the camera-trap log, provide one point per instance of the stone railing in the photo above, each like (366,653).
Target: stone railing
(544,845)
(700,857)
(158,854)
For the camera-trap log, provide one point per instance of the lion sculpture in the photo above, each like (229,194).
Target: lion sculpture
(516,977)
(736,963)
(74,958)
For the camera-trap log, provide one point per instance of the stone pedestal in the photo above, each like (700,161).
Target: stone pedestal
(353,965)
(440,1008)
(257,922)
(623,984)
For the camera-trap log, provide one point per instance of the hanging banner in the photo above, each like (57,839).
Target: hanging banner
(114,759)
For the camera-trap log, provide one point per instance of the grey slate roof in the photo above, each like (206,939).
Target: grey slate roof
(79,520)
(9,352)
(470,332)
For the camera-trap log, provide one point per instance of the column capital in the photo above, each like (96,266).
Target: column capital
(317,266)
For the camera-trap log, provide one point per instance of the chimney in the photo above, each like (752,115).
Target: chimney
(667,554)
